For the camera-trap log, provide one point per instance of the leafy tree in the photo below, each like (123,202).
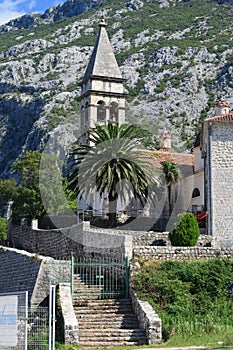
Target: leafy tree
(113,162)
(185,230)
(6,192)
(57,198)
(172,176)
(41,186)
(3,228)
(26,197)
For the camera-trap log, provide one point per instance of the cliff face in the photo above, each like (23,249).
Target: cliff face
(175,62)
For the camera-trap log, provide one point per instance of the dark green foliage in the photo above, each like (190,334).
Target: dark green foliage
(3,228)
(190,297)
(40,187)
(6,189)
(185,231)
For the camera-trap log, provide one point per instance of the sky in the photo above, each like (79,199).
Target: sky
(10,9)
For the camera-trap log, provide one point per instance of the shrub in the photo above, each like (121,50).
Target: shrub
(185,231)
(191,298)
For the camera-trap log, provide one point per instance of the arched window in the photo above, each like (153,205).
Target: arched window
(82,117)
(114,112)
(101,111)
(196,193)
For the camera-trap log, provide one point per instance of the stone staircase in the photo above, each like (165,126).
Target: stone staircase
(107,322)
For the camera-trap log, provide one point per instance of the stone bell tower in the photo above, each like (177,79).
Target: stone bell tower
(102,92)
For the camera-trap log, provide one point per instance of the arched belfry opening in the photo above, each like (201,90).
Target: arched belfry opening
(101,111)
(114,112)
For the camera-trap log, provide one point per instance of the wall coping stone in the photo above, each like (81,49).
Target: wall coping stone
(28,254)
(149,320)
(70,320)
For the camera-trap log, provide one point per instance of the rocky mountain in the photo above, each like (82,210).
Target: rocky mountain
(176,57)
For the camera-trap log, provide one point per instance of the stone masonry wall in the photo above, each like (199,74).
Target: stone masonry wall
(18,271)
(23,271)
(222,189)
(54,243)
(94,242)
(70,320)
(149,321)
(181,253)
(143,238)
(78,240)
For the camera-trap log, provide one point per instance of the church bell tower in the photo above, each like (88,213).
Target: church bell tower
(102,96)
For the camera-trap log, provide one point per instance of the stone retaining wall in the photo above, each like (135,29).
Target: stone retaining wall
(148,319)
(181,253)
(21,271)
(144,238)
(78,239)
(54,243)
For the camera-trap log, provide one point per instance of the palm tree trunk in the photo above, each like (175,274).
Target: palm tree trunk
(112,215)
(170,199)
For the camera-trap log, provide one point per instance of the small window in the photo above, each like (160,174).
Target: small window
(196,193)
(101,111)
(86,121)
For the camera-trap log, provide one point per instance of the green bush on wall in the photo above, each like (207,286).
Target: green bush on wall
(185,231)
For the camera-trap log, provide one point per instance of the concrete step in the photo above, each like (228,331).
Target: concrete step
(115,325)
(103,309)
(127,334)
(111,338)
(101,343)
(107,323)
(84,300)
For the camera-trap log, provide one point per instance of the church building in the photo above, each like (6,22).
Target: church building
(206,183)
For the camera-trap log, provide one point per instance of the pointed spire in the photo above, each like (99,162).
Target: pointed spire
(102,62)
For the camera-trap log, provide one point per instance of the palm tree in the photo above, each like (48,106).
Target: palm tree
(172,176)
(115,163)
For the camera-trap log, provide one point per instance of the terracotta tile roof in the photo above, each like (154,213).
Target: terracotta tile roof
(221,103)
(185,161)
(218,118)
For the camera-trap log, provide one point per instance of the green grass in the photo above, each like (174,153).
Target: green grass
(179,343)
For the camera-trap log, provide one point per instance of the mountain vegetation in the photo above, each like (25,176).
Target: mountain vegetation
(176,57)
